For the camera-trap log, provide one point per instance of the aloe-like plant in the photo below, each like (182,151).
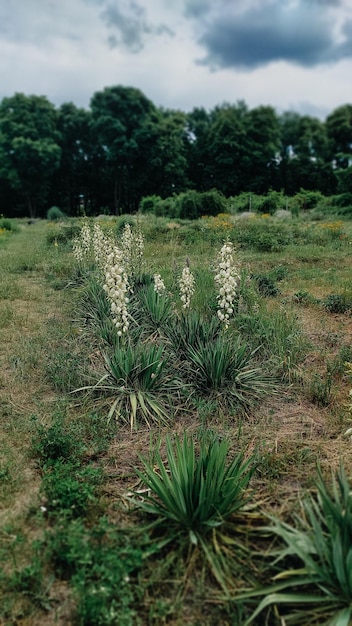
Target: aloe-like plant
(195,491)
(321,541)
(95,310)
(139,384)
(94,305)
(156,308)
(191,329)
(225,368)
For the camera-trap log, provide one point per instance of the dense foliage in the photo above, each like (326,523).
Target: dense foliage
(124,148)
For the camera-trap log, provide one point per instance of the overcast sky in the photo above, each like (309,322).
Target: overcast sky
(291,54)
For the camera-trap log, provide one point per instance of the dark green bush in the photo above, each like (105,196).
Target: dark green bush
(193,204)
(63,233)
(342,199)
(271,202)
(266,285)
(307,199)
(54,214)
(167,208)
(10,225)
(189,204)
(213,202)
(149,203)
(304,298)
(338,302)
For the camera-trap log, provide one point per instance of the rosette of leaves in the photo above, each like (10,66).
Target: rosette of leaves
(314,585)
(191,330)
(150,309)
(139,384)
(225,369)
(95,311)
(194,492)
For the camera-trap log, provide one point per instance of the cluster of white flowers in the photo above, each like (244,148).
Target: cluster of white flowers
(186,285)
(226,280)
(82,245)
(139,250)
(132,245)
(116,287)
(159,285)
(102,245)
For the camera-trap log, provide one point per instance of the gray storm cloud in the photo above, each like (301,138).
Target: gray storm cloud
(247,35)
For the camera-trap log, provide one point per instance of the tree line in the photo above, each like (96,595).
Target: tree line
(124,148)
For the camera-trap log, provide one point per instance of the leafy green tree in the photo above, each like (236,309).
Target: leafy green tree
(120,117)
(166,166)
(233,149)
(305,155)
(198,124)
(75,178)
(29,150)
(263,145)
(227,156)
(339,129)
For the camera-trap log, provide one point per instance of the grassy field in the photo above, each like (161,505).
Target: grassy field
(78,543)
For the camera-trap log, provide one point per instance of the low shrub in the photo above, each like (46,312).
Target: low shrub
(9,225)
(266,285)
(69,488)
(306,199)
(338,302)
(262,234)
(101,564)
(62,234)
(54,214)
(148,204)
(193,204)
(55,442)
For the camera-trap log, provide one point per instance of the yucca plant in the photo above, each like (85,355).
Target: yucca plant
(225,368)
(139,384)
(154,309)
(191,329)
(96,312)
(321,542)
(195,491)
(94,305)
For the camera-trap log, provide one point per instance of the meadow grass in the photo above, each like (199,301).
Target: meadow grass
(73,547)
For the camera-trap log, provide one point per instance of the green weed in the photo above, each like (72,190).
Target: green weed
(56,442)
(338,302)
(102,565)
(69,488)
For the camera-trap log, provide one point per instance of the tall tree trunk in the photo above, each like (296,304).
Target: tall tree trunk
(31,206)
(117,195)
